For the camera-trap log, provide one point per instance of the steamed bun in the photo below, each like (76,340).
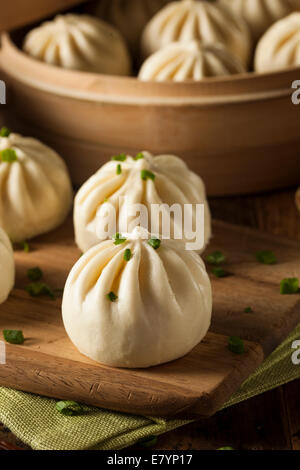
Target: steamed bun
(186,20)
(298,199)
(189,61)
(171,183)
(7,266)
(79,42)
(261,14)
(128,16)
(132,305)
(35,187)
(279,48)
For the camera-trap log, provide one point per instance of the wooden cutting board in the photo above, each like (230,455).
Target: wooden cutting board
(196,385)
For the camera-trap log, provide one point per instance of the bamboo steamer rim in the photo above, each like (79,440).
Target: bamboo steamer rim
(86,86)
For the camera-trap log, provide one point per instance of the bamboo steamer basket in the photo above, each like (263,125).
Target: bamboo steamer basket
(240,133)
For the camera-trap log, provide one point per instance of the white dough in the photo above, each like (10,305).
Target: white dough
(208,22)
(189,61)
(162,312)
(35,189)
(79,42)
(7,266)
(174,183)
(279,48)
(261,14)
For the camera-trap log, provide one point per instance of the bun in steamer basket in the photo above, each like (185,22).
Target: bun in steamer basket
(190,61)
(79,42)
(36,192)
(208,22)
(279,48)
(128,16)
(150,308)
(7,266)
(171,182)
(298,199)
(261,14)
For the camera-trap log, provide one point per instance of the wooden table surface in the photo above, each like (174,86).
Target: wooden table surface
(272,419)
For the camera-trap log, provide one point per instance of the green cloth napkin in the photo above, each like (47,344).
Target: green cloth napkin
(36,422)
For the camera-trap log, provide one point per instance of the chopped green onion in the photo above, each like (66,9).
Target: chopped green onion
(112,296)
(35,274)
(220,272)
(13,336)
(266,257)
(118,240)
(248,310)
(154,243)
(216,257)
(236,345)
(150,441)
(146,174)
(289,286)
(9,155)
(69,408)
(226,448)
(139,156)
(38,289)
(119,169)
(106,200)
(127,255)
(119,158)
(21,245)
(26,247)
(4,132)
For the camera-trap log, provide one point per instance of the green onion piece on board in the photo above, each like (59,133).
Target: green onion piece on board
(69,408)
(220,272)
(266,257)
(248,310)
(21,245)
(289,286)
(236,345)
(35,274)
(8,156)
(13,336)
(38,289)
(26,247)
(4,132)
(216,258)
